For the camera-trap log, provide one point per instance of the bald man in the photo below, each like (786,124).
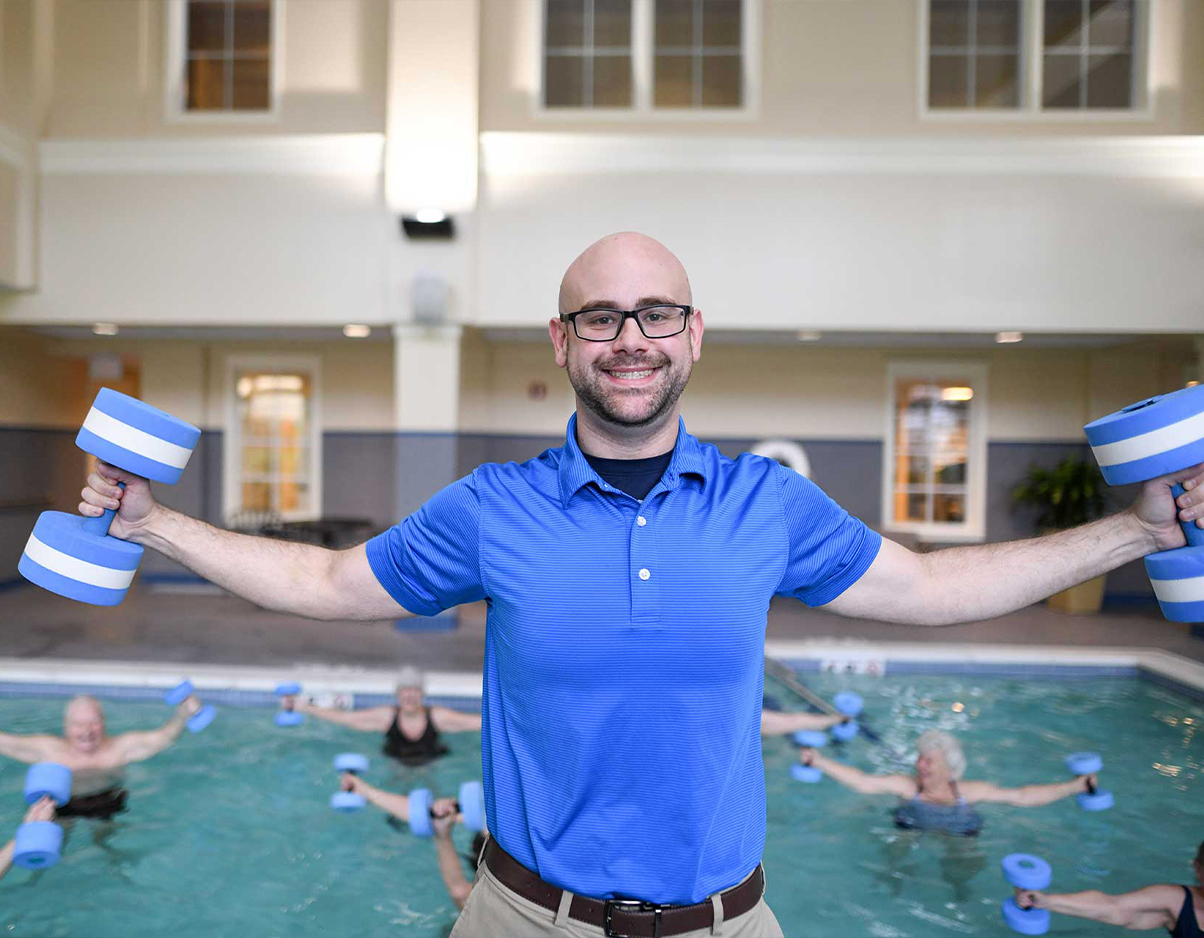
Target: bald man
(628,575)
(97,761)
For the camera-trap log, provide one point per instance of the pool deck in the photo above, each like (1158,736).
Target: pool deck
(204,626)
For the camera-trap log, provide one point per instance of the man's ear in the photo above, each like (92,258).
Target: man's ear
(559,332)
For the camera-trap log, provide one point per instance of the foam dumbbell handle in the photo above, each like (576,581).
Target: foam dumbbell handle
(420,812)
(805,773)
(178,694)
(1026,871)
(351,762)
(38,845)
(813,739)
(202,718)
(1195,536)
(1025,921)
(48,779)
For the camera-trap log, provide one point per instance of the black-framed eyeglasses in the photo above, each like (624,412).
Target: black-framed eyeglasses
(604,325)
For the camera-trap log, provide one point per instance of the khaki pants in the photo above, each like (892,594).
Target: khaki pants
(494,911)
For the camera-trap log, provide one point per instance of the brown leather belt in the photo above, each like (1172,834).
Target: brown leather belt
(623,918)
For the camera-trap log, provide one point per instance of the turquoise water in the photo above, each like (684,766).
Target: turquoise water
(229,832)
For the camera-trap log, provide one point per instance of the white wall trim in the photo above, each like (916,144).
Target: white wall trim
(15,149)
(302,154)
(233,435)
(21,153)
(517,154)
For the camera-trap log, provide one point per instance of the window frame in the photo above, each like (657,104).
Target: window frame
(1032,64)
(176,54)
(643,53)
(231,460)
(973,529)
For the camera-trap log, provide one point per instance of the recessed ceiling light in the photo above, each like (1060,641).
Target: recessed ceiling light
(357,330)
(808,335)
(1007,338)
(430,216)
(104,328)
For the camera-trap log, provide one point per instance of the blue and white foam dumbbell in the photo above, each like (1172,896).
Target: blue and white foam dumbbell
(1088,763)
(1150,438)
(181,692)
(38,844)
(75,556)
(470,804)
(1025,871)
(289,717)
(349,802)
(813,739)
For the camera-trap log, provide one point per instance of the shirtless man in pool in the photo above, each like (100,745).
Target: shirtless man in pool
(97,761)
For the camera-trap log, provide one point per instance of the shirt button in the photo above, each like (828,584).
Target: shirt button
(644,574)
(641,521)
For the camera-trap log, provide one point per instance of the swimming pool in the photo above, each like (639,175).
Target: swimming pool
(229,832)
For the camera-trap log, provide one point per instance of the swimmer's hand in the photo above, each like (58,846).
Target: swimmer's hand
(293,702)
(1090,782)
(443,816)
(351,782)
(806,755)
(40,810)
(189,706)
(1028,899)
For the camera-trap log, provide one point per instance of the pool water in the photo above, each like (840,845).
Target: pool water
(229,832)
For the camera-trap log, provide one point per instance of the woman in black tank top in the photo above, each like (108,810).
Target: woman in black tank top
(1160,906)
(418,751)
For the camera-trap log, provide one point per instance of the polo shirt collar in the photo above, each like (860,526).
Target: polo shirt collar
(575,472)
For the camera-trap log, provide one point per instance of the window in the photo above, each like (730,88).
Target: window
(223,57)
(974,53)
(1029,57)
(642,56)
(697,50)
(934,476)
(273,458)
(587,53)
(1088,54)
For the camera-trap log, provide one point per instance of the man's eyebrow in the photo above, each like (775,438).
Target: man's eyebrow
(642,301)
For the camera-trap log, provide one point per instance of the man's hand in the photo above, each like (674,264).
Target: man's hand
(443,811)
(1028,899)
(134,505)
(1160,514)
(40,810)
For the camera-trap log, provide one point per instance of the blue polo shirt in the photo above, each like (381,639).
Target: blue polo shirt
(621,744)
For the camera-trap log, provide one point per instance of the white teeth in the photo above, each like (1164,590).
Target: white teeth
(632,375)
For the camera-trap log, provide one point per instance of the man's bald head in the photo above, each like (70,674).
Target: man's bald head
(622,269)
(82,707)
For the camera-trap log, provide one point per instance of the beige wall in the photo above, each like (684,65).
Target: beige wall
(110,75)
(840,67)
(16,65)
(813,392)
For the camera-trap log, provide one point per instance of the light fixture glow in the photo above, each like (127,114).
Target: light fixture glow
(957,394)
(430,216)
(808,335)
(104,328)
(1007,338)
(1191,384)
(357,330)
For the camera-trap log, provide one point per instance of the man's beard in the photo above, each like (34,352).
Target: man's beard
(600,396)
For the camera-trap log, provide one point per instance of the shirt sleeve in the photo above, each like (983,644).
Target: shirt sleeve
(828,549)
(431,560)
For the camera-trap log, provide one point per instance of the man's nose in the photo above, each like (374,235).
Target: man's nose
(630,339)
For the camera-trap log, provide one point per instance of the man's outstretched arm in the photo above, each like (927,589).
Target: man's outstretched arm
(967,584)
(295,578)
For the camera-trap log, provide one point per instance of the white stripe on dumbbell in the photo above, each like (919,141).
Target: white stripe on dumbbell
(1188,430)
(135,440)
(1190,589)
(75,569)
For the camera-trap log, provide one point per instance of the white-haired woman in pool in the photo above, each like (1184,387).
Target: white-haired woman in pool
(935,796)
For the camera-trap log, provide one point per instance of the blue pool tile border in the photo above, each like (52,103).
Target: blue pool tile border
(986,669)
(1187,690)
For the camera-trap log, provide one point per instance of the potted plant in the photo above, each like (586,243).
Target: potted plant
(1070,494)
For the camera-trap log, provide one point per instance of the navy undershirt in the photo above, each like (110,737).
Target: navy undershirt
(636,477)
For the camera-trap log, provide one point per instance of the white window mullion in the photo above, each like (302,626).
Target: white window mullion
(643,65)
(1032,54)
